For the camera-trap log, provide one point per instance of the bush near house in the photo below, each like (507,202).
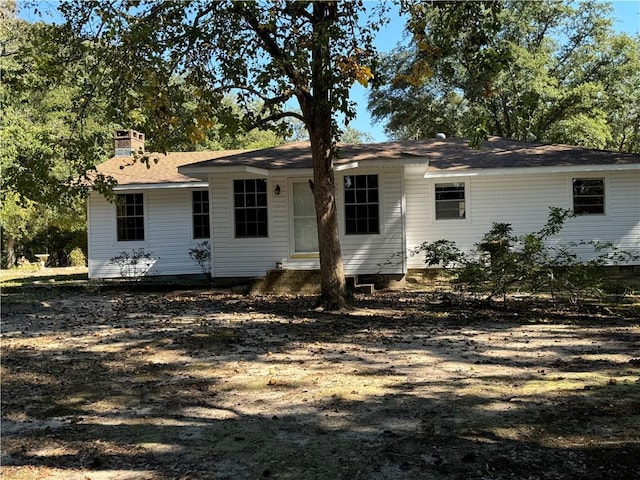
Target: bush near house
(201,254)
(135,264)
(502,262)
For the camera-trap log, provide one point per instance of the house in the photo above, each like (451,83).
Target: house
(255,208)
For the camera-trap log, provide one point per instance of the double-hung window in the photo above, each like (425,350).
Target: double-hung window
(250,208)
(361,201)
(450,201)
(588,196)
(130,217)
(200,203)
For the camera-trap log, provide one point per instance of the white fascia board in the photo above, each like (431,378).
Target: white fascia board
(292,172)
(153,186)
(346,166)
(257,171)
(530,170)
(405,162)
(383,163)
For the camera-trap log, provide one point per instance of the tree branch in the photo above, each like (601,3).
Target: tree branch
(278,116)
(281,59)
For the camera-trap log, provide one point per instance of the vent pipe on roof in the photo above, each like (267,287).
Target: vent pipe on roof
(127,142)
(441,136)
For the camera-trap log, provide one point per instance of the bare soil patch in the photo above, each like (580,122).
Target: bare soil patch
(197,384)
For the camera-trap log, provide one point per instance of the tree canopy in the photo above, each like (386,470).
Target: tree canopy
(280,55)
(57,125)
(548,71)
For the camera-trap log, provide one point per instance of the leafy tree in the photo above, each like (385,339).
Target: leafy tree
(273,52)
(352,135)
(348,135)
(56,126)
(547,71)
(220,138)
(29,228)
(45,150)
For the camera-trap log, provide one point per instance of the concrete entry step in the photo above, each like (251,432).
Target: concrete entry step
(355,287)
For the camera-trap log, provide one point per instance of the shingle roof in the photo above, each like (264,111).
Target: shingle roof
(129,172)
(496,153)
(447,154)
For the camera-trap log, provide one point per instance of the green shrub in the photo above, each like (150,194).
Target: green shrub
(502,261)
(77,258)
(134,265)
(201,254)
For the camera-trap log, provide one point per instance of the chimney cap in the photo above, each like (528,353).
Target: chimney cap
(117,134)
(127,142)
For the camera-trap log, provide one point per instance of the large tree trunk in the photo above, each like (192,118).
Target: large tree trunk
(10,246)
(324,194)
(317,110)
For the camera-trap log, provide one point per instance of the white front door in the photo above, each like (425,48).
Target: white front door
(304,227)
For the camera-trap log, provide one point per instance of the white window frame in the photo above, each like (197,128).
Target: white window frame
(193,214)
(591,176)
(232,216)
(145,217)
(467,203)
(379,203)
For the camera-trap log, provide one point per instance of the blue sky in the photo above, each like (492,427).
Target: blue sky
(627,19)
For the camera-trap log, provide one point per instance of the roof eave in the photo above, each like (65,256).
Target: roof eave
(203,172)
(475,172)
(152,186)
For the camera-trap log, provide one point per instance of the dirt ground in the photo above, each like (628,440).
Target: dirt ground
(208,384)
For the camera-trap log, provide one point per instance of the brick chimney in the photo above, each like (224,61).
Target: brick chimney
(127,142)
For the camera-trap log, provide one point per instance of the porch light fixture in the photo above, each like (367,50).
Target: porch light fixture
(277,190)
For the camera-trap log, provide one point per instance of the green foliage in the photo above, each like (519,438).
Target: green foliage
(77,258)
(135,264)
(47,151)
(502,261)
(201,254)
(352,135)
(172,84)
(543,71)
(29,228)
(58,115)
(172,63)
(441,252)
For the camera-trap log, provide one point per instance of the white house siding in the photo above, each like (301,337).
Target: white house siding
(168,233)
(254,257)
(381,253)
(246,257)
(523,201)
